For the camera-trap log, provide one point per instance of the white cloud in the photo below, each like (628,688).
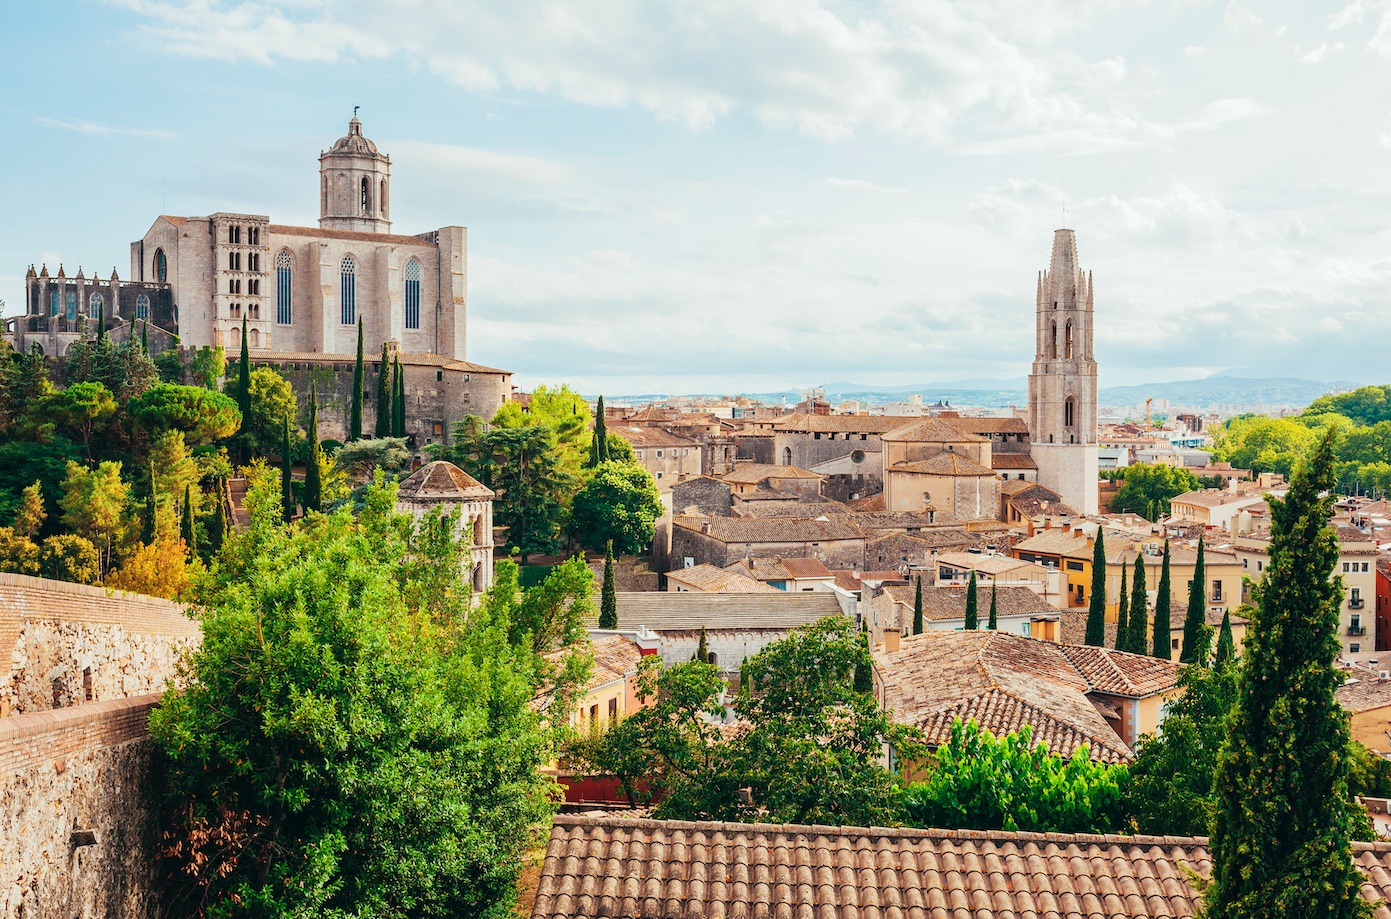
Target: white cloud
(1319,54)
(95,128)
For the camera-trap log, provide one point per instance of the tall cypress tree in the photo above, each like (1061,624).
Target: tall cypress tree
(1226,645)
(1139,609)
(994,622)
(1162,625)
(101,323)
(972,604)
(1195,622)
(1123,610)
(287,482)
(398,401)
(355,413)
(313,474)
(599,450)
(608,598)
(1096,612)
(217,527)
(918,607)
(147,516)
(186,530)
(384,394)
(244,390)
(145,337)
(702,648)
(1281,834)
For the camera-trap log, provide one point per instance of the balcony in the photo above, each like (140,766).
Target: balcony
(1357,630)
(1356,603)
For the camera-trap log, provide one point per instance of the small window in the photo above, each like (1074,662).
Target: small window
(142,307)
(437,428)
(1346,567)
(1354,649)
(613,707)
(659,454)
(439,376)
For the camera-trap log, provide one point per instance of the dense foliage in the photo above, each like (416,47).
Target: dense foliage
(619,505)
(1146,489)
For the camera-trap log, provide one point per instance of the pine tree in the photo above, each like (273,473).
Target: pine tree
(355,412)
(918,607)
(313,473)
(1195,622)
(994,622)
(608,600)
(244,389)
(1139,610)
(398,407)
(287,486)
(1096,612)
(384,397)
(186,531)
(702,648)
(1123,610)
(30,515)
(1281,833)
(1162,625)
(1226,645)
(972,610)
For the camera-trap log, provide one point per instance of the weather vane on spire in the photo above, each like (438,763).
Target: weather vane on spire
(355,108)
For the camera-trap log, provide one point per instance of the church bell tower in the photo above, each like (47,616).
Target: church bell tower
(355,184)
(1062,384)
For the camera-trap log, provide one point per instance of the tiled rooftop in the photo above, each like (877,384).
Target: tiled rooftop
(753,473)
(441,481)
(642,438)
(685,611)
(944,603)
(853,424)
(771,529)
(944,464)
(934,430)
(712,579)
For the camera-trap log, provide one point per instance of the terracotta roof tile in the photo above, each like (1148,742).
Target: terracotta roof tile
(641,438)
(806,568)
(943,603)
(276,229)
(1012,461)
(711,579)
(874,502)
(753,473)
(944,464)
(934,430)
(441,481)
(771,529)
(855,424)
(992,425)
(687,610)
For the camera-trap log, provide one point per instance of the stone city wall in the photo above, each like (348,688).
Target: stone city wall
(67,644)
(85,768)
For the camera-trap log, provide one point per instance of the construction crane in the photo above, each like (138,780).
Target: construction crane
(1148,401)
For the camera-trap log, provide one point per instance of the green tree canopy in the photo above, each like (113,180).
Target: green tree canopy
(564,412)
(1368,405)
(272,402)
(619,503)
(82,410)
(201,415)
(1263,444)
(1148,488)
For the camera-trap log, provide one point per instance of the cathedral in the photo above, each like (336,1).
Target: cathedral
(300,293)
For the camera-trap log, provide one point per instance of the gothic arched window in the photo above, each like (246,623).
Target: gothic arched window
(54,305)
(412,294)
(366,196)
(96,306)
(72,304)
(1069,339)
(142,307)
(1069,412)
(347,278)
(284,284)
(1052,340)
(787,456)
(161,267)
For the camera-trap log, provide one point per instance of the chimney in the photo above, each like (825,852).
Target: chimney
(891,641)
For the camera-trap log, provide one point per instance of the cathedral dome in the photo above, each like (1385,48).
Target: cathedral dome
(354,142)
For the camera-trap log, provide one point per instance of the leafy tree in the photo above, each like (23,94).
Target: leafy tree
(864,671)
(149,512)
(1123,611)
(10,407)
(383,423)
(272,401)
(1148,489)
(608,605)
(1162,600)
(82,410)
(994,622)
(18,553)
(23,463)
(918,606)
(565,413)
(1263,444)
(355,412)
(361,457)
(31,382)
(979,782)
(972,612)
(201,415)
(313,464)
(620,502)
(29,519)
(552,615)
(69,557)
(206,366)
(599,443)
(335,754)
(1096,612)
(1195,641)
(159,569)
(1368,405)
(1281,833)
(174,472)
(522,465)
(1171,778)
(1139,610)
(94,505)
(219,527)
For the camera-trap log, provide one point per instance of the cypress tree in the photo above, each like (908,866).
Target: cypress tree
(1123,610)
(1281,833)
(1162,625)
(383,426)
(702,648)
(287,487)
(313,475)
(972,610)
(101,323)
(608,602)
(217,527)
(398,407)
(1226,645)
(918,607)
(244,388)
(994,622)
(1139,609)
(599,452)
(1195,622)
(1096,612)
(186,530)
(355,413)
(145,338)
(147,516)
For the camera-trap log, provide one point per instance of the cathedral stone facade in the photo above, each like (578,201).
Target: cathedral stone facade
(1062,384)
(300,292)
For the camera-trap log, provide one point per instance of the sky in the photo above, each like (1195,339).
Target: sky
(716,196)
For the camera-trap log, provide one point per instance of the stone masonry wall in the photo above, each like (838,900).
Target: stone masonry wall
(67,644)
(88,767)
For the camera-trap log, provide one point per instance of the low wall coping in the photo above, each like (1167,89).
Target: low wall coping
(17,728)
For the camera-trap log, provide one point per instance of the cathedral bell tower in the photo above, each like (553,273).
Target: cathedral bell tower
(355,184)
(1062,384)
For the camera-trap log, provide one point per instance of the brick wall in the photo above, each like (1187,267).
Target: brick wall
(87,767)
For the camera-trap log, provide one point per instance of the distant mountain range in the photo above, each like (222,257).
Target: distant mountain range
(1222,389)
